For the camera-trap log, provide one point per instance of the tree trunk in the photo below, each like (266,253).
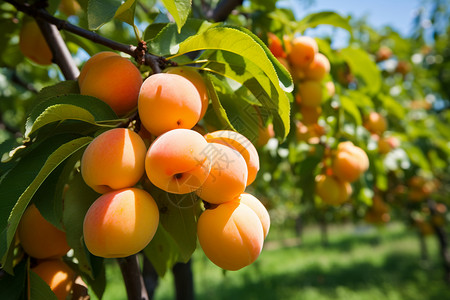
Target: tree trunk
(184,281)
(441,235)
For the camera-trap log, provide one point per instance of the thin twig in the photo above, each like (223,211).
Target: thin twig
(132,277)
(223,9)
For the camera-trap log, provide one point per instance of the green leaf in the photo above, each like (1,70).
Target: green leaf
(101,11)
(220,112)
(59,89)
(179,9)
(363,68)
(178,215)
(19,185)
(324,18)
(162,251)
(167,41)
(392,106)
(74,107)
(126,11)
(39,289)
(350,107)
(77,200)
(13,286)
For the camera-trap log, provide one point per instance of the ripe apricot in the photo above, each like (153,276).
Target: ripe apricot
(197,80)
(349,162)
(91,62)
(113,160)
(228,176)
(332,190)
(383,53)
(115,80)
(39,238)
(178,161)
(303,50)
(58,275)
(168,101)
(231,235)
(33,45)
(120,223)
(331,88)
(310,115)
(241,144)
(256,205)
(375,123)
(69,7)
(319,67)
(309,93)
(275,45)
(265,133)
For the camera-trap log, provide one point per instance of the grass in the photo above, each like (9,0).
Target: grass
(360,263)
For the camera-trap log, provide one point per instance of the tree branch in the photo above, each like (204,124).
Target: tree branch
(132,277)
(155,62)
(223,10)
(60,52)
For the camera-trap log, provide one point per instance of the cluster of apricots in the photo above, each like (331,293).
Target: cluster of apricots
(47,244)
(308,67)
(217,166)
(376,124)
(348,164)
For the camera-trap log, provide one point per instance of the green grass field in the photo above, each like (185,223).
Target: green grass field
(360,263)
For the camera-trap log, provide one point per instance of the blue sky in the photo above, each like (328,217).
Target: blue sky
(396,13)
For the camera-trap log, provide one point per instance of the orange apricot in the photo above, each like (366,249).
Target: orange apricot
(228,176)
(69,7)
(91,62)
(332,190)
(256,205)
(231,235)
(120,223)
(349,162)
(113,160)
(310,115)
(331,88)
(303,50)
(39,238)
(168,101)
(197,80)
(178,161)
(58,275)
(33,45)
(375,123)
(241,144)
(318,68)
(383,53)
(265,133)
(275,45)
(309,93)
(115,80)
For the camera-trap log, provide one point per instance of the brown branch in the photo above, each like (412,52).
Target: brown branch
(155,62)
(60,52)
(134,283)
(223,9)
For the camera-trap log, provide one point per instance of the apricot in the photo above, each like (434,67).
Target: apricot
(113,79)
(349,162)
(319,67)
(228,176)
(376,217)
(231,235)
(265,133)
(310,115)
(375,123)
(58,275)
(69,7)
(39,238)
(120,223)
(275,45)
(91,62)
(302,52)
(33,45)
(178,161)
(309,93)
(332,190)
(241,144)
(386,144)
(331,88)
(197,80)
(168,101)
(113,160)
(256,205)
(383,53)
